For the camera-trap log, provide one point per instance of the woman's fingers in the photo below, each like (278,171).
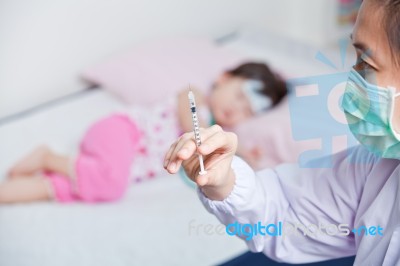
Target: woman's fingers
(173,148)
(168,154)
(226,141)
(176,146)
(185,147)
(218,148)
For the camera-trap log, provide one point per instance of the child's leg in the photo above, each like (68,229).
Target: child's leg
(58,163)
(30,164)
(25,189)
(41,159)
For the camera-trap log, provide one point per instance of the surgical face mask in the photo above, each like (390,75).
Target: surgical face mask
(369,111)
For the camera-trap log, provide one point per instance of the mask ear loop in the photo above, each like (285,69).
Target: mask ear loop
(394,95)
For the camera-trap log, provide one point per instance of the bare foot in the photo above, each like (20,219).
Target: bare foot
(31,164)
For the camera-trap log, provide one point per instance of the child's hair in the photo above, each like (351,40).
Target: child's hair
(274,85)
(391,24)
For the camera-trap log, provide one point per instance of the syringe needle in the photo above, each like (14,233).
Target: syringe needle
(196,129)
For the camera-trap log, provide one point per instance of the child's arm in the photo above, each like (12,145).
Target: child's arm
(184,114)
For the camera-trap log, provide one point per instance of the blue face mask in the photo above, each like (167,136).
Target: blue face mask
(369,111)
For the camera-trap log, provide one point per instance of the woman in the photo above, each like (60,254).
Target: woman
(361,190)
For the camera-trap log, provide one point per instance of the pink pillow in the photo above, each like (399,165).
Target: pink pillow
(149,72)
(267,140)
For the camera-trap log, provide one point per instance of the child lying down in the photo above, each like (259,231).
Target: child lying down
(128,146)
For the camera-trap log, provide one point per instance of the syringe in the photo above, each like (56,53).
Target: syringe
(196,129)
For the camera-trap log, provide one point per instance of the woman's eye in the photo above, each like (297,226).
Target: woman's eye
(361,64)
(362,67)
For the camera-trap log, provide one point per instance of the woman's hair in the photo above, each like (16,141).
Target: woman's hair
(274,85)
(391,25)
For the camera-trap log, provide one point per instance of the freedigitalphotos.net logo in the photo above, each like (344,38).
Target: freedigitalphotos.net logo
(199,229)
(279,229)
(316,114)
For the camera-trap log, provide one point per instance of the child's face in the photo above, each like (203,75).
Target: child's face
(374,56)
(228,103)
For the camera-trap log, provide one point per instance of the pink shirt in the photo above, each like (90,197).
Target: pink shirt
(359,190)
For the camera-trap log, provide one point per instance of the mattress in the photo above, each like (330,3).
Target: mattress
(159,222)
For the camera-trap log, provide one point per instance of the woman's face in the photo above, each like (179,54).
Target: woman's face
(374,57)
(228,103)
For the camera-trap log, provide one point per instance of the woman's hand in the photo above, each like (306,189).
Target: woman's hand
(218,148)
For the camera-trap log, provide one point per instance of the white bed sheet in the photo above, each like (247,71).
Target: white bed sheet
(150,226)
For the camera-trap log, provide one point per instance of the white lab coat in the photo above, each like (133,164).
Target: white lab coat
(359,189)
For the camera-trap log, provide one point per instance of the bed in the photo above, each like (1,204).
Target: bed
(159,222)
(151,226)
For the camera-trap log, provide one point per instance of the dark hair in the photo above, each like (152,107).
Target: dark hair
(274,85)
(391,24)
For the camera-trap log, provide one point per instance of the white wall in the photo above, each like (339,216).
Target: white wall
(44,44)
(310,21)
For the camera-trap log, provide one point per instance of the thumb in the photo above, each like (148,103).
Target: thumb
(216,185)
(211,178)
(204,179)
(224,142)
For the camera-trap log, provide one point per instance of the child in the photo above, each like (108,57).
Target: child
(360,193)
(121,146)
